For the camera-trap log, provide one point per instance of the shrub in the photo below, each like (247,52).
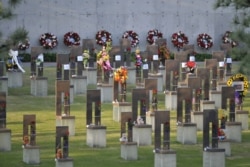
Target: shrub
(48,57)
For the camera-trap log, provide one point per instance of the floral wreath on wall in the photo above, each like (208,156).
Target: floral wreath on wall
(48,40)
(179,39)
(226,39)
(102,37)
(204,41)
(71,39)
(24,45)
(133,36)
(153,35)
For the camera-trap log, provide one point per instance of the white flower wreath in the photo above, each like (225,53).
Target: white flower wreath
(48,40)
(133,36)
(204,41)
(226,39)
(153,35)
(102,37)
(71,39)
(24,45)
(179,39)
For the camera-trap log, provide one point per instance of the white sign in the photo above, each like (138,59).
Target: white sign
(183,65)
(191,58)
(79,58)
(66,66)
(117,57)
(229,60)
(40,57)
(145,67)
(238,85)
(221,64)
(155,57)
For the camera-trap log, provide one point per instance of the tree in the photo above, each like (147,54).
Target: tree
(241,33)
(19,35)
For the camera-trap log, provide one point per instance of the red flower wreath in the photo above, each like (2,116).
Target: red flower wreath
(133,36)
(179,39)
(71,39)
(48,40)
(153,35)
(204,41)
(102,37)
(226,39)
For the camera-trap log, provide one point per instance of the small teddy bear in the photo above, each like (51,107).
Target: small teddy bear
(26,140)
(59,153)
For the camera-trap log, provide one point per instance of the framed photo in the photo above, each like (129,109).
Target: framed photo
(155,57)
(66,66)
(145,67)
(118,58)
(79,58)
(238,85)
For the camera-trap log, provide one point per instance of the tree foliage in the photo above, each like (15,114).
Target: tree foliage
(241,31)
(19,35)
(6,12)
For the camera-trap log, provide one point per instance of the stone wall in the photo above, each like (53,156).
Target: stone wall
(86,17)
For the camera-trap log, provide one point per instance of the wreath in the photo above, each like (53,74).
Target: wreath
(48,40)
(24,45)
(204,41)
(179,39)
(153,35)
(71,39)
(239,77)
(226,39)
(102,37)
(133,36)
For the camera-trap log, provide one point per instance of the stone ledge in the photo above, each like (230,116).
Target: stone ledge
(4,130)
(129,143)
(215,150)
(233,123)
(143,126)
(31,147)
(122,103)
(96,127)
(161,151)
(242,112)
(79,77)
(64,159)
(187,124)
(68,117)
(197,112)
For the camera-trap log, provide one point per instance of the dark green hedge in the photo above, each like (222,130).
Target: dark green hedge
(51,57)
(48,57)
(202,56)
(198,56)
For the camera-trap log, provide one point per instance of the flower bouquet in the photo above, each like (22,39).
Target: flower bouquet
(86,57)
(121,75)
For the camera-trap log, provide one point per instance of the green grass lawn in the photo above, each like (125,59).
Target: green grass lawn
(20,102)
